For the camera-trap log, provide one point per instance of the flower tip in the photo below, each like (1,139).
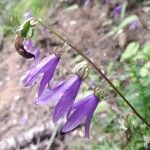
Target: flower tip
(38,102)
(25,83)
(64,130)
(55,119)
(87,135)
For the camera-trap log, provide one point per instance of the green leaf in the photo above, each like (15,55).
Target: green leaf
(131,50)
(30,33)
(139,56)
(146,49)
(143,72)
(24,28)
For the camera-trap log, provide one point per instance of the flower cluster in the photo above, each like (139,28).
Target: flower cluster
(62,96)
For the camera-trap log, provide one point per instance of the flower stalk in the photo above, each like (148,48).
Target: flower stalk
(68,42)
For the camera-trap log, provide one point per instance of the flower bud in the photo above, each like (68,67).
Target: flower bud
(82,70)
(99,93)
(58,52)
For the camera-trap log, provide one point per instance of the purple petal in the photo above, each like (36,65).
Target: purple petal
(86,3)
(67,99)
(134,25)
(40,68)
(78,116)
(36,53)
(84,110)
(81,110)
(47,77)
(51,97)
(54,95)
(29,47)
(117,10)
(94,104)
(87,125)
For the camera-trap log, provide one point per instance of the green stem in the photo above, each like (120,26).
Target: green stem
(50,28)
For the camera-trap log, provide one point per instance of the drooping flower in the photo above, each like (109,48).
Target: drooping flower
(134,25)
(46,67)
(63,95)
(31,48)
(117,10)
(81,113)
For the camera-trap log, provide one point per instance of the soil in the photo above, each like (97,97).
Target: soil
(85,27)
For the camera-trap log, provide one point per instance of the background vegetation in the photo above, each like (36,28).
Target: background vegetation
(114,125)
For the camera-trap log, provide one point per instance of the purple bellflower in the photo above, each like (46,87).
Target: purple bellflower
(46,67)
(30,47)
(81,113)
(117,10)
(62,97)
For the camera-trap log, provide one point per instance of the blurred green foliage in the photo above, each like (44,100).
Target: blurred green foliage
(16,8)
(137,66)
(135,62)
(134,82)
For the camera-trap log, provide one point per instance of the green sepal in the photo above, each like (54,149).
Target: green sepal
(24,28)
(30,33)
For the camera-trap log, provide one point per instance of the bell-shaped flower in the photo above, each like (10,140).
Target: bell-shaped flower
(46,67)
(81,113)
(62,96)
